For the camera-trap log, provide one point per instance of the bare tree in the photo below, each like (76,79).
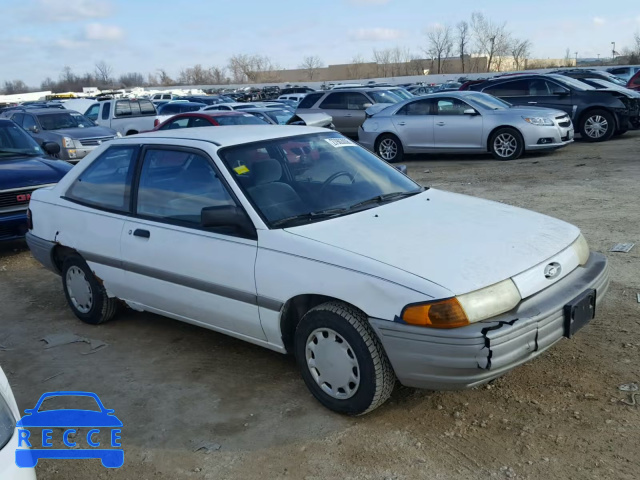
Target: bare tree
(520,51)
(567,58)
(164,78)
(218,75)
(103,72)
(492,39)
(13,87)
(440,43)
(462,41)
(132,79)
(383,60)
(355,70)
(311,64)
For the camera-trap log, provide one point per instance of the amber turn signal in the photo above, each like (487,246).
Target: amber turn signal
(441,314)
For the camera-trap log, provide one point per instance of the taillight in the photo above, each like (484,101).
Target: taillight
(156,122)
(29,219)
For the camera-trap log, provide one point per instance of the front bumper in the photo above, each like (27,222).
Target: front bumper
(13,226)
(470,356)
(554,137)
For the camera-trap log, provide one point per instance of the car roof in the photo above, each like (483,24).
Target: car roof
(45,111)
(232,134)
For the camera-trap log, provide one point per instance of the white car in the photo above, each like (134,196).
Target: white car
(299,240)
(294,97)
(9,415)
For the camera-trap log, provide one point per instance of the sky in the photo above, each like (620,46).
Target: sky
(39,38)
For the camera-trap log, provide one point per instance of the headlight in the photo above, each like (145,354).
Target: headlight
(67,142)
(464,309)
(7,422)
(539,121)
(581,247)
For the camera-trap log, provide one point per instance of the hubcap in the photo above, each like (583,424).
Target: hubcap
(332,363)
(388,149)
(596,126)
(79,290)
(505,145)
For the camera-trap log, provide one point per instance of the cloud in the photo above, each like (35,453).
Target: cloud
(101,32)
(368,2)
(73,10)
(375,34)
(599,21)
(25,40)
(69,43)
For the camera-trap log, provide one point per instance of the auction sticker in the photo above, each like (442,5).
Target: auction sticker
(340,142)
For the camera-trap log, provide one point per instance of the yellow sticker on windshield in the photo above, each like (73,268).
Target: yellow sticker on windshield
(241,169)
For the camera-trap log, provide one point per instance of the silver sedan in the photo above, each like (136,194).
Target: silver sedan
(462,122)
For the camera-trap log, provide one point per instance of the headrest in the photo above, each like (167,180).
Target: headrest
(267,171)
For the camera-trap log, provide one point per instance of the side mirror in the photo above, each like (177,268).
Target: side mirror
(401,168)
(561,93)
(367,105)
(227,216)
(52,148)
(33,129)
(470,111)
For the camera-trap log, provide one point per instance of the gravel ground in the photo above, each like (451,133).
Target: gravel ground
(175,385)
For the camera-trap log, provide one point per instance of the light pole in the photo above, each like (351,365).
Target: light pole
(613,51)
(576,59)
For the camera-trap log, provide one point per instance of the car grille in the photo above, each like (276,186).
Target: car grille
(10,200)
(94,142)
(564,121)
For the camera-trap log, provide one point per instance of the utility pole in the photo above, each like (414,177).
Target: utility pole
(576,59)
(613,51)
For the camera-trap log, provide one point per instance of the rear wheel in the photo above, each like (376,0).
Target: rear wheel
(506,144)
(85,295)
(389,148)
(597,126)
(341,359)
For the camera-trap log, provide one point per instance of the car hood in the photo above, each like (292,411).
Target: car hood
(30,171)
(459,242)
(311,119)
(530,111)
(87,132)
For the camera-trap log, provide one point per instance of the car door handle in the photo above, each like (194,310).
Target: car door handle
(402,123)
(138,232)
(440,124)
(348,115)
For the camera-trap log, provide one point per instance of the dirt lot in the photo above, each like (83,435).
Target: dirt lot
(175,385)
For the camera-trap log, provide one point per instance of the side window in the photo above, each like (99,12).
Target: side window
(336,100)
(538,88)
(451,106)
(310,100)
(421,107)
(29,123)
(135,108)
(106,111)
(179,123)
(106,183)
(200,122)
(176,185)
(516,88)
(357,101)
(18,118)
(123,108)
(555,89)
(146,107)
(93,111)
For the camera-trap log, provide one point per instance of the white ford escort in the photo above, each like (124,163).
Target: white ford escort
(299,240)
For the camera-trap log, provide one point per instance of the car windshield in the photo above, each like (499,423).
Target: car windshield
(612,79)
(402,93)
(384,96)
(281,117)
(488,101)
(14,141)
(244,119)
(572,82)
(306,178)
(59,121)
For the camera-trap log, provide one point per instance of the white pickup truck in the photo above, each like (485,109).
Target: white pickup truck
(125,115)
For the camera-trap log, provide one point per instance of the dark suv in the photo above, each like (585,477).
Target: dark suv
(597,114)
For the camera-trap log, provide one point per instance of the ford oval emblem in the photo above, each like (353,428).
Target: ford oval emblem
(552,270)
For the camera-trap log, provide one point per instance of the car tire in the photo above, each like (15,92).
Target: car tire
(597,126)
(338,337)
(620,132)
(389,148)
(506,144)
(85,295)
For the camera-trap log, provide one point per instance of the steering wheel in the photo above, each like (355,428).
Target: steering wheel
(342,173)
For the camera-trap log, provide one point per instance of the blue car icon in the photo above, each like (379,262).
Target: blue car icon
(70,419)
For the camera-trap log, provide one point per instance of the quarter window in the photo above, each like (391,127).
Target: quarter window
(106,183)
(176,185)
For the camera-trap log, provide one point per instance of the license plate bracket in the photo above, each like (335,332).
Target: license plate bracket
(580,311)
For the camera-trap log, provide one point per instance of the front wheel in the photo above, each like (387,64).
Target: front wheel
(597,126)
(506,144)
(341,359)
(389,148)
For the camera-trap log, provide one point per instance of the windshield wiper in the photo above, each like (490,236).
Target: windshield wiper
(333,212)
(385,197)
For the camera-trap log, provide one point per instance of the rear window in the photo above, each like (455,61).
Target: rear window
(245,119)
(147,108)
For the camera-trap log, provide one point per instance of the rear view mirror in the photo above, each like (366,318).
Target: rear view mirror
(227,216)
(51,148)
(470,111)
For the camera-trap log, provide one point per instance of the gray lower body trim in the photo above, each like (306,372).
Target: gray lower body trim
(42,250)
(185,281)
(469,356)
